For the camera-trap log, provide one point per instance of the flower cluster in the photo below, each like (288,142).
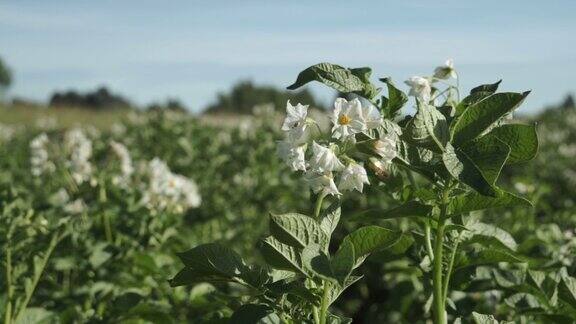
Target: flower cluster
(331,165)
(39,158)
(169,191)
(7,132)
(422,87)
(126,167)
(80,149)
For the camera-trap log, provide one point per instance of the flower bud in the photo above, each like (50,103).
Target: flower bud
(380,169)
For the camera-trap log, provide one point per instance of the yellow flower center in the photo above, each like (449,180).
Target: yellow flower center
(344,120)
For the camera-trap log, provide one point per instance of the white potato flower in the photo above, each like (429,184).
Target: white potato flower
(446,71)
(292,154)
(322,182)
(167,190)
(295,122)
(80,148)
(372,117)
(75,207)
(60,197)
(324,159)
(7,132)
(347,118)
(419,88)
(188,191)
(126,166)
(385,147)
(353,178)
(39,158)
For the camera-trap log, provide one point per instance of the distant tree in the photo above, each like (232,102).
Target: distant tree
(171,104)
(244,95)
(568,102)
(99,99)
(5,78)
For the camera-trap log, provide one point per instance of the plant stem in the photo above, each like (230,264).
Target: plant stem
(318,207)
(428,241)
(427,238)
(107,227)
(325,303)
(37,274)
(438,293)
(449,270)
(10,295)
(315,314)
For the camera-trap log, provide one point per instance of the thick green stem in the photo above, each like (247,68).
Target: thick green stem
(107,227)
(438,293)
(37,274)
(449,271)
(325,303)
(318,207)
(315,314)
(427,238)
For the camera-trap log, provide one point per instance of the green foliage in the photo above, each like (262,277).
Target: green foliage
(441,227)
(5,75)
(460,147)
(479,116)
(395,101)
(344,80)
(302,273)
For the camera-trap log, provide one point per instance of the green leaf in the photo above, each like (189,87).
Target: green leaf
(490,88)
(489,155)
(470,100)
(522,140)
(329,218)
(281,256)
(370,239)
(213,258)
(36,315)
(337,268)
(369,90)
(479,116)
(473,201)
(483,319)
(215,263)
(416,158)
(343,262)
(255,314)
(316,262)
(487,233)
(298,230)
(336,290)
(476,94)
(488,257)
(463,168)
(395,101)
(567,290)
(339,78)
(294,286)
(335,319)
(428,129)
(409,209)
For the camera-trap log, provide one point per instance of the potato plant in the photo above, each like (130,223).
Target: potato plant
(441,166)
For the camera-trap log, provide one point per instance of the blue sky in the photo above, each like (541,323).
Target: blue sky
(151,50)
